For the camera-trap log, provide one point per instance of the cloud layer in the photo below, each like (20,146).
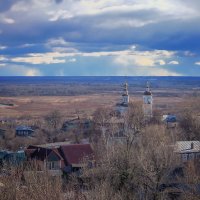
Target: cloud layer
(99,37)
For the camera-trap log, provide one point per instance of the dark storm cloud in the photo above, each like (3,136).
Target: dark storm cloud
(82,29)
(100,28)
(170,35)
(103,30)
(23,49)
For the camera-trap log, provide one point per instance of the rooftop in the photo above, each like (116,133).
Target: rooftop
(53,145)
(169,118)
(23,128)
(187,146)
(74,153)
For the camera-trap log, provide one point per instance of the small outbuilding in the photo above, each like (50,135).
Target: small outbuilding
(188,150)
(12,158)
(170,120)
(24,131)
(83,124)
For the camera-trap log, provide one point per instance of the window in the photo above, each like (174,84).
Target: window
(191,156)
(53,165)
(184,157)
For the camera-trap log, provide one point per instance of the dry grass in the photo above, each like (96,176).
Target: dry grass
(42,105)
(38,106)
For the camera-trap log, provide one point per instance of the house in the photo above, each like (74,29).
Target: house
(12,158)
(188,150)
(59,157)
(170,120)
(2,133)
(23,131)
(15,158)
(82,124)
(45,158)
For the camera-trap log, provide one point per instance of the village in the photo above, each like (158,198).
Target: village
(108,129)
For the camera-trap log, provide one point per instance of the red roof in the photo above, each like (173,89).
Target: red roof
(74,154)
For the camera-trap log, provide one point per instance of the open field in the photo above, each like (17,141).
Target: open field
(70,106)
(72,96)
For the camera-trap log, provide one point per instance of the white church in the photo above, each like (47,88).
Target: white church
(148,102)
(122,107)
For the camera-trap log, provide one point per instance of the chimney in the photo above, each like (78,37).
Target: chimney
(192,145)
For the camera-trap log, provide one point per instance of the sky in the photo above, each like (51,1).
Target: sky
(99,38)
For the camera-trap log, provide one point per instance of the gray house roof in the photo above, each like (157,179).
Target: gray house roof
(187,147)
(169,118)
(24,128)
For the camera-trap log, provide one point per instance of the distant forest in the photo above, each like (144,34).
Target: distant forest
(72,86)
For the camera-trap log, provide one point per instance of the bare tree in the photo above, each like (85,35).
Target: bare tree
(35,186)
(155,160)
(190,123)
(53,119)
(101,119)
(137,172)
(133,122)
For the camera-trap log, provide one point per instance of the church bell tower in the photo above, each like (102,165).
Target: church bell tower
(123,105)
(125,95)
(148,102)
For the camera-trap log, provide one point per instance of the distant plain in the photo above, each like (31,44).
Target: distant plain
(74,96)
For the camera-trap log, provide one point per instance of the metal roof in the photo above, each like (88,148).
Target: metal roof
(169,118)
(24,128)
(187,146)
(53,145)
(74,153)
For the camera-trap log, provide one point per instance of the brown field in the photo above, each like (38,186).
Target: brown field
(69,106)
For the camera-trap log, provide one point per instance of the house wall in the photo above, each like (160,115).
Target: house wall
(190,156)
(54,161)
(53,165)
(2,136)
(23,132)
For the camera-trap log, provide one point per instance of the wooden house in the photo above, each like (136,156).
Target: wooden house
(59,157)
